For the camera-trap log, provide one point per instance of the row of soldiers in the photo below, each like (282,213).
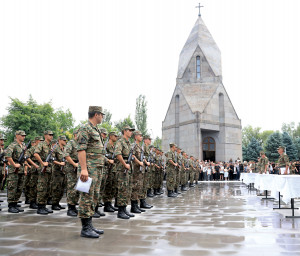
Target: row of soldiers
(119,170)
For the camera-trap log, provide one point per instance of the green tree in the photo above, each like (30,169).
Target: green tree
(121,123)
(253,149)
(157,142)
(107,117)
(141,114)
(264,136)
(34,119)
(291,149)
(297,144)
(245,155)
(272,144)
(250,132)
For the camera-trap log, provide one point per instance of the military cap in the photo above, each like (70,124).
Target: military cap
(1,136)
(119,134)
(136,132)
(113,134)
(62,137)
(95,109)
(172,144)
(126,127)
(261,153)
(103,130)
(147,137)
(48,132)
(281,147)
(53,142)
(20,132)
(182,152)
(39,138)
(75,131)
(151,146)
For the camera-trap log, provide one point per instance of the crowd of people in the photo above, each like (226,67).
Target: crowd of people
(122,172)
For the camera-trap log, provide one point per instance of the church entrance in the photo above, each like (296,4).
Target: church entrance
(209,149)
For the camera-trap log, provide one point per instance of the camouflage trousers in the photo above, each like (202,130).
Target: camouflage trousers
(197,174)
(151,177)
(72,193)
(192,176)
(124,190)
(58,186)
(145,184)
(15,184)
(157,175)
(110,186)
(26,183)
(162,174)
(43,187)
(103,183)
(137,183)
(32,186)
(178,176)
(171,178)
(183,179)
(88,201)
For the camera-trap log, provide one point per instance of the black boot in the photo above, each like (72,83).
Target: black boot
(128,213)
(108,207)
(86,230)
(49,201)
(61,207)
(98,231)
(122,214)
(156,192)
(115,208)
(55,207)
(71,211)
(97,213)
(176,191)
(12,208)
(144,204)
(48,210)
(134,208)
(18,207)
(171,194)
(137,206)
(149,193)
(160,191)
(33,205)
(116,204)
(41,209)
(27,200)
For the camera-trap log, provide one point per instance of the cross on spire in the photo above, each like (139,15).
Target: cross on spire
(199,6)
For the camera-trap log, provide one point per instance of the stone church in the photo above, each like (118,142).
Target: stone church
(201,118)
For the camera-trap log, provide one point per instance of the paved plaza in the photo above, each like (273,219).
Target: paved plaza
(215,218)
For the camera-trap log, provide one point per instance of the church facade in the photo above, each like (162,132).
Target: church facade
(201,118)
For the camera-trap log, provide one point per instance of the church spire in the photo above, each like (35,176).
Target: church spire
(199,6)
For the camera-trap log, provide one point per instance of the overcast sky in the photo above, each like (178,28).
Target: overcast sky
(81,53)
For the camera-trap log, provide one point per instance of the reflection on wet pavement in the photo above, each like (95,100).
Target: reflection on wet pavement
(211,219)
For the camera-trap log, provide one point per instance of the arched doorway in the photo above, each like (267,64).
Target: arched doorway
(209,149)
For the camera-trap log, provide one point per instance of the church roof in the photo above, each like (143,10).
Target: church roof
(200,36)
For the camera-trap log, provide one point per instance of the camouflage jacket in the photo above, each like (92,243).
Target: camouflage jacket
(110,149)
(170,156)
(137,151)
(283,160)
(14,150)
(30,154)
(122,148)
(262,163)
(43,149)
(90,140)
(58,155)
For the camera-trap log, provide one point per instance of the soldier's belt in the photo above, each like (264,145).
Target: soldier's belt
(96,151)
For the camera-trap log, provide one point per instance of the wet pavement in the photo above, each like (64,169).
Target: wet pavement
(210,219)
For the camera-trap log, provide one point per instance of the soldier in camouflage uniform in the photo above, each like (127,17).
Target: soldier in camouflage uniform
(162,172)
(122,151)
(110,191)
(41,152)
(16,172)
(151,171)
(283,161)
(156,173)
(138,171)
(2,163)
(71,156)
(170,170)
(143,203)
(264,162)
(58,173)
(32,175)
(184,170)
(197,170)
(91,157)
(178,170)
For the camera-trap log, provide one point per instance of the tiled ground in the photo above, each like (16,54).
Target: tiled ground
(211,219)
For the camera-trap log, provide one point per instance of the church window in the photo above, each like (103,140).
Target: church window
(198,69)
(209,144)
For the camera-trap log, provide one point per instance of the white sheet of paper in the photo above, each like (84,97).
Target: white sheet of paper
(84,186)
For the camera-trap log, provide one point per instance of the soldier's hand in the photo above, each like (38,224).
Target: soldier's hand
(110,161)
(62,163)
(45,164)
(141,164)
(84,175)
(25,172)
(76,165)
(127,166)
(36,166)
(148,164)
(17,166)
